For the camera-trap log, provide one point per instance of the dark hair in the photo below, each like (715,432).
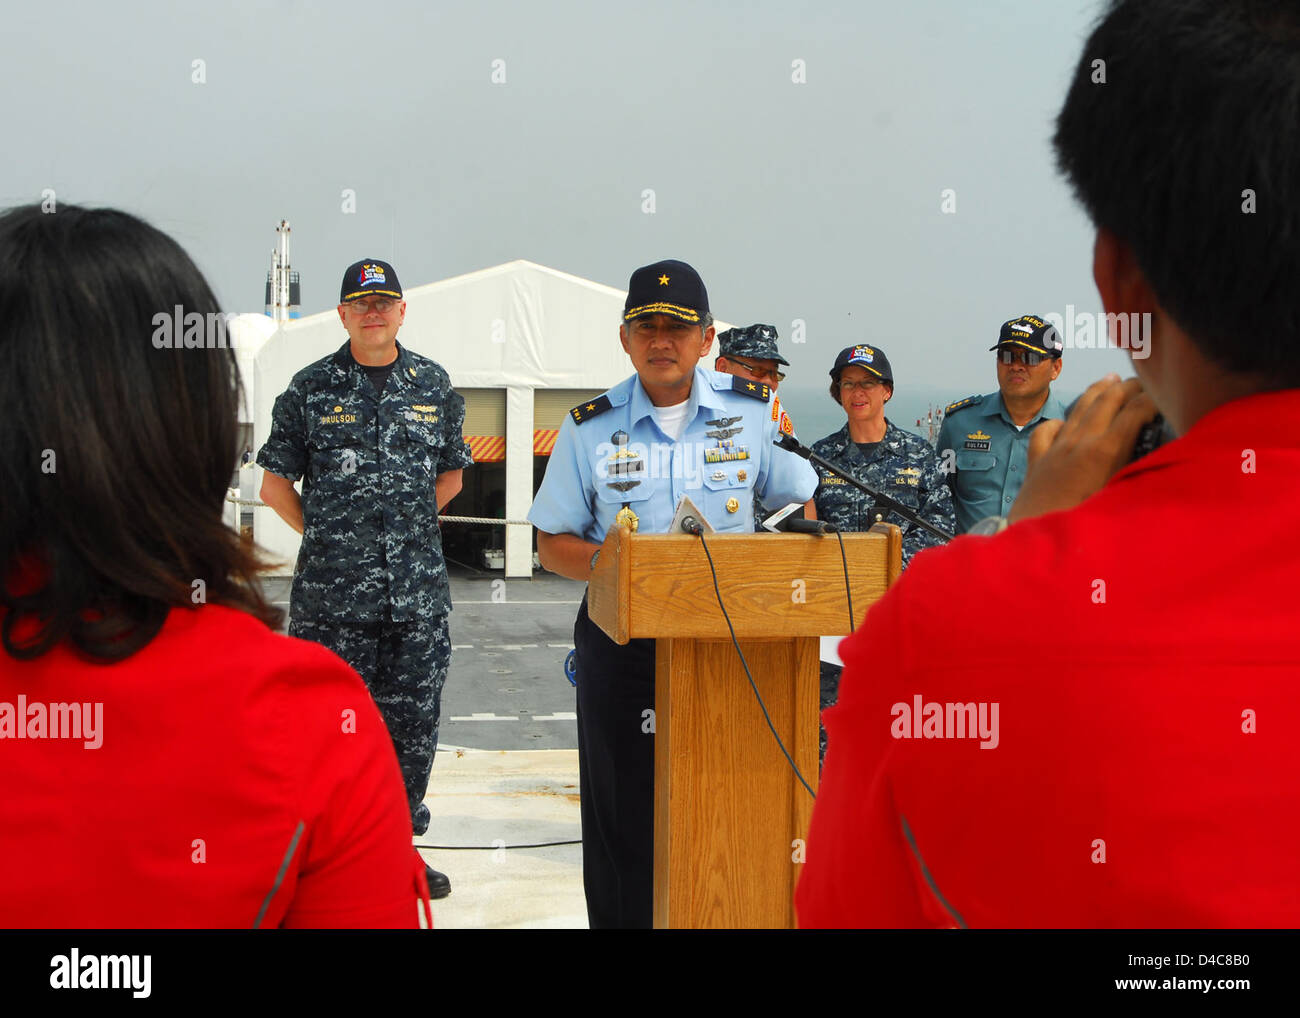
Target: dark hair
(115,455)
(1200,102)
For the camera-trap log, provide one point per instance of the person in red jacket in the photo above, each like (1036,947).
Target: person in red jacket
(1103,738)
(168,760)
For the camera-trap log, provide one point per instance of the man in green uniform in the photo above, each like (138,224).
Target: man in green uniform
(983,442)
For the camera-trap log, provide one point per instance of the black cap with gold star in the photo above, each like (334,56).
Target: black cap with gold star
(666,288)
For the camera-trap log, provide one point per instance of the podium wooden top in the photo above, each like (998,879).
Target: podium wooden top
(774,586)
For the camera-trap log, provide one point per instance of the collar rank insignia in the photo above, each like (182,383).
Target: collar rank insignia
(754,390)
(586,411)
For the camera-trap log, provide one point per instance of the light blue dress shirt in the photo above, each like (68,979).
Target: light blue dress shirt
(617,455)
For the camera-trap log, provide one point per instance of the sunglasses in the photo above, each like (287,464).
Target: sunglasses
(1029,358)
(757,372)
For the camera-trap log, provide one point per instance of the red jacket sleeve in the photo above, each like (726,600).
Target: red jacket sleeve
(355,865)
(860,870)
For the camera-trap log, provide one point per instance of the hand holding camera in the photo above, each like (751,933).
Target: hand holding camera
(1071,460)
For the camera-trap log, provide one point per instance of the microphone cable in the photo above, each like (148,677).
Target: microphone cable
(745,664)
(847,586)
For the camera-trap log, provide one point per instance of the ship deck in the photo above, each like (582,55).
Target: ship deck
(506,770)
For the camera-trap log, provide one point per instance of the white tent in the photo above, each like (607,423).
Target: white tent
(516,328)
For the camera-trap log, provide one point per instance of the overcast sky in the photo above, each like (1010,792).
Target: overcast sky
(818,201)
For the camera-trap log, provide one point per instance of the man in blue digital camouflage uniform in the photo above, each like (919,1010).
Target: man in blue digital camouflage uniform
(374,432)
(881,455)
(672,429)
(984,440)
(750,352)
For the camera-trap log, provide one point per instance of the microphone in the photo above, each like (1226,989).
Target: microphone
(791,444)
(689,520)
(819,527)
(882,502)
(784,521)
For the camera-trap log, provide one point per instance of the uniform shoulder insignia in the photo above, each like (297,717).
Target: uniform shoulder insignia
(754,390)
(961,404)
(586,411)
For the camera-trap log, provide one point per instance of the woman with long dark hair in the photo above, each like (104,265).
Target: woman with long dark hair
(168,760)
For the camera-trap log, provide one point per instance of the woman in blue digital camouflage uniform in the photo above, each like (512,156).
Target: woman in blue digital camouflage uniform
(881,455)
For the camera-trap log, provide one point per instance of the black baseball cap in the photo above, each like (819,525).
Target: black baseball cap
(369,276)
(870,357)
(1031,333)
(666,288)
(757,341)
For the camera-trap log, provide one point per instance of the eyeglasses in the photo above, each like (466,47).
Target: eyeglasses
(363,307)
(759,373)
(867,384)
(1030,358)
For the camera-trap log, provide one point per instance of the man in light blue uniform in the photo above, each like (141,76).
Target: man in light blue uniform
(983,442)
(672,429)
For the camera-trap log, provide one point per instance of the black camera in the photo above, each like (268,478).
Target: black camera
(1152,436)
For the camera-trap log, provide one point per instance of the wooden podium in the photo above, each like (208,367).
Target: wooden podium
(730,814)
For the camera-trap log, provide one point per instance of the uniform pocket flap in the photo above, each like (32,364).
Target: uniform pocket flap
(968,459)
(716,479)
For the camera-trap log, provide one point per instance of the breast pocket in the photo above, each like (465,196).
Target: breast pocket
(975,474)
(423,449)
(335,451)
(424,444)
(969,459)
(728,493)
(615,489)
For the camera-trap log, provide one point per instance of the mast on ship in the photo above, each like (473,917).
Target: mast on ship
(283,286)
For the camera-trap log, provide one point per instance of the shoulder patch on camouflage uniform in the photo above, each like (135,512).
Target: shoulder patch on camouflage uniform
(586,411)
(961,404)
(754,390)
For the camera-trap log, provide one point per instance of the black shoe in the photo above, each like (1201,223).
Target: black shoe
(439,885)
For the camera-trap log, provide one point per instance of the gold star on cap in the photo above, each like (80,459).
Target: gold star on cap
(663,280)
